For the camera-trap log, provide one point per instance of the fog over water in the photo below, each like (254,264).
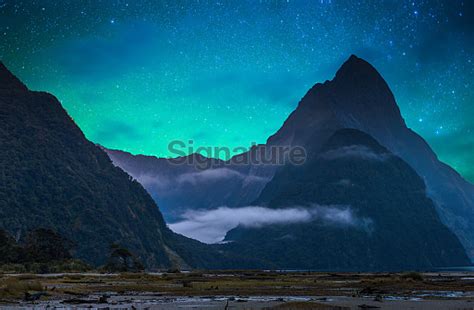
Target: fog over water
(211,226)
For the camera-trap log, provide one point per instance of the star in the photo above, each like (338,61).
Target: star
(197,66)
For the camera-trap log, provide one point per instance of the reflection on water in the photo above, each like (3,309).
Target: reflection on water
(459,268)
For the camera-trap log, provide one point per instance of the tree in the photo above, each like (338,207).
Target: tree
(122,260)
(44,245)
(10,252)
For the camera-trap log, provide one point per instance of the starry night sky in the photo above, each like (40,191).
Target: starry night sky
(135,75)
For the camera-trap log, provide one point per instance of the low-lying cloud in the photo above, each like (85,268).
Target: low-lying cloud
(211,226)
(213,175)
(358,151)
(165,184)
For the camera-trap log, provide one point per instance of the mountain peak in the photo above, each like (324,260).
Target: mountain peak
(358,97)
(355,68)
(8,81)
(355,59)
(360,92)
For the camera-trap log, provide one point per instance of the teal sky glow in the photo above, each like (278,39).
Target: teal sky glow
(136,75)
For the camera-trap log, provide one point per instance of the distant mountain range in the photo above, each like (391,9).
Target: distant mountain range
(358,98)
(361,191)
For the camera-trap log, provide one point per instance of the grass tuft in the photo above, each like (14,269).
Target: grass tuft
(13,287)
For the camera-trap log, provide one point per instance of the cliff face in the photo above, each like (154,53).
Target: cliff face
(53,177)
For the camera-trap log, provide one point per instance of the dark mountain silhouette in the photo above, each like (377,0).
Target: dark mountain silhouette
(52,177)
(357,97)
(369,212)
(8,82)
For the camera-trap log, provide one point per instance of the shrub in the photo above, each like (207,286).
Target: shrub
(415,276)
